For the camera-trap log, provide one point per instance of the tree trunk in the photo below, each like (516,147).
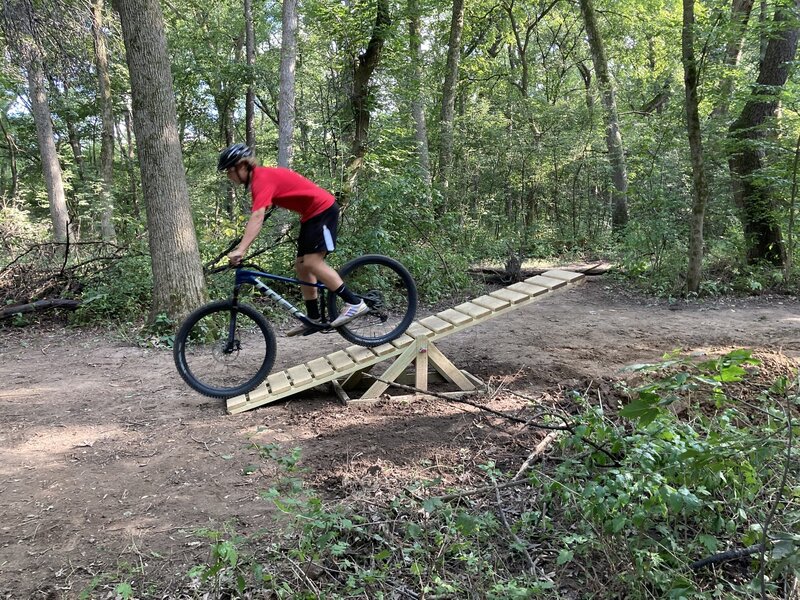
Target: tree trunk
(361,98)
(178,285)
(449,95)
(250,57)
(616,151)
(127,149)
(699,184)
(287,77)
(740,14)
(51,168)
(107,230)
(756,198)
(12,154)
(417,101)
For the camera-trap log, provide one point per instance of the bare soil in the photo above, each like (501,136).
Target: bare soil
(110,465)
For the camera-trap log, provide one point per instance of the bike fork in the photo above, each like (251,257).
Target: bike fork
(231,346)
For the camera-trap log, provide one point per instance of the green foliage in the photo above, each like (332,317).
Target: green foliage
(121,295)
(676,490)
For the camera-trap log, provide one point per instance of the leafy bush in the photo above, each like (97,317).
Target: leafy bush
(699,461)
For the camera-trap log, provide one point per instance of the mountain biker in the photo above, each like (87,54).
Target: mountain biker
(319,217)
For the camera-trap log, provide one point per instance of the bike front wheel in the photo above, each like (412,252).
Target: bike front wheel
(390,292)
(224,350)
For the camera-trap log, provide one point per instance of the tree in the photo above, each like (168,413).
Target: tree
(699,184)
(616,151)
(287,80)
(361,97)
(22,30)
(178,285)
(417,101)
(447,114)
(755,197)
(107,119)
(740,14)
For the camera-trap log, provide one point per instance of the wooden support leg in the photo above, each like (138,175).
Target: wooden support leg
(447,369)
(398,366)
(421,343)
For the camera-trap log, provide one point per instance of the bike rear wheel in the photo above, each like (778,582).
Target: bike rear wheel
(390,292)
(223,350)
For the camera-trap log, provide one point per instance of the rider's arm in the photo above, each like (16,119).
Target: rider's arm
(251,231)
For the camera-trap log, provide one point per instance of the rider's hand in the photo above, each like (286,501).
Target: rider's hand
(235,257)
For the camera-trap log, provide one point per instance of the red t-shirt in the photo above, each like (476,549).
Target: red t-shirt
(287,189)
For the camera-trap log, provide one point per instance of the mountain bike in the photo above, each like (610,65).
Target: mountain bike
(227,348)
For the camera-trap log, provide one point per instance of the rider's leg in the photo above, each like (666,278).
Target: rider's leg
(309,292)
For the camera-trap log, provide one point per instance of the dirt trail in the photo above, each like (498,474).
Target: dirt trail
(110,464)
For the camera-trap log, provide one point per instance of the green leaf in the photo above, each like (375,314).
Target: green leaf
(564,556)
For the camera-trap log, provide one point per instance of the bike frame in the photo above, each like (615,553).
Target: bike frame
(249,277)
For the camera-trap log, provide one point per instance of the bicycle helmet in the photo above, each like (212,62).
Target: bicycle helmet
(232,155)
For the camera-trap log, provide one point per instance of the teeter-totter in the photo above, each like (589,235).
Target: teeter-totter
(343,369)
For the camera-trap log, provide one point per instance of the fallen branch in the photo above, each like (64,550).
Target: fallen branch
(727,555)
(39,305)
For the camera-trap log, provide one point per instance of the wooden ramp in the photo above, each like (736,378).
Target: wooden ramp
(416,345)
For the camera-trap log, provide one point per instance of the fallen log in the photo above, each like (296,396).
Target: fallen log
(39,305)
(503,275)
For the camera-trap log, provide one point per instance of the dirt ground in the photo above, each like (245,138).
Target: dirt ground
(110,465)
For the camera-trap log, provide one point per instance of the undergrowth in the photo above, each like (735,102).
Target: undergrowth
(631,502)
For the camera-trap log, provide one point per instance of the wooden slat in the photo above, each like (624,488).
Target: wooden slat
(360,354)
(490,302)
(527,288)
(278,382)
(568,276)
(340,361)
(473,310)
(436,324)
(549,283)
(299,375)
(454,317)
(320,368)
(384,350)
(403,341)
(510,295)
(417,329)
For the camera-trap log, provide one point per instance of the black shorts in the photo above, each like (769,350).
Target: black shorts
(318,234)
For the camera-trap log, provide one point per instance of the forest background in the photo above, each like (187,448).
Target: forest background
(452,134)
(663,137)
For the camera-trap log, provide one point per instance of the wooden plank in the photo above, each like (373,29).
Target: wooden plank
(527,288)
(416,329)
(473,310)
(447,369)
(320,368)
(568,276)
(403,341)
(548,282)
(454,317)
(300,375)
(510,295)
(492,303)
(384,350)
(278,382)
(436,324)
(340,361)
(360,354)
